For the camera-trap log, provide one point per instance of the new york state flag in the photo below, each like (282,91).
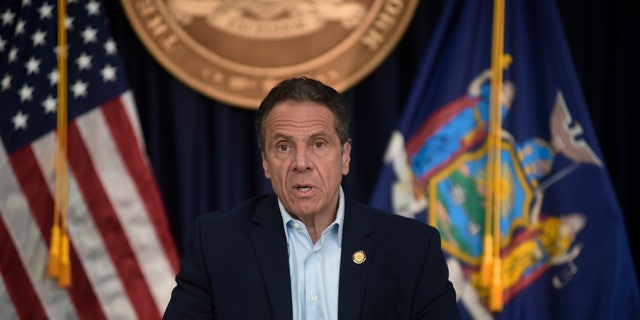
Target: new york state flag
(527,214)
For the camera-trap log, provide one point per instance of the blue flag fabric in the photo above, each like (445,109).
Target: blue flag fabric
(563,248)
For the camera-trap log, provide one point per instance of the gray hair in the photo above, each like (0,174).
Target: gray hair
(302,89)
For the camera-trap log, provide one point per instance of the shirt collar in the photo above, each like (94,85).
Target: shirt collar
(339,221)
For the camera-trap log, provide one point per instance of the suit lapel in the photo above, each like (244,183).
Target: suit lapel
(271,248)
(353,276)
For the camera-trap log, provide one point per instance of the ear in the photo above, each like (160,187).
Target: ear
(346,157)
(265,166)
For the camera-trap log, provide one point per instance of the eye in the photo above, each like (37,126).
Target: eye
(319,144)
(283,147)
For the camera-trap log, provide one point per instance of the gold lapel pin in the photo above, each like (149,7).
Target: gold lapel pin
(359,257)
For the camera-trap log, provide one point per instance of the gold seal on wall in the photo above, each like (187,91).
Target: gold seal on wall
(236,51)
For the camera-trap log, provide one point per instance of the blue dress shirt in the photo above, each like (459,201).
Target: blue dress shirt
(314,268)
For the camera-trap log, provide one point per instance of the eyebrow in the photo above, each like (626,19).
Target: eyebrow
(278,135)
(321,134)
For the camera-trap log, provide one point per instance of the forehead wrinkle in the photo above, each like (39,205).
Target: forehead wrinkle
(292,119)
(278,121)
(312,128)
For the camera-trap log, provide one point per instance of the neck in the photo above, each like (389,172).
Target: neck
(317,224)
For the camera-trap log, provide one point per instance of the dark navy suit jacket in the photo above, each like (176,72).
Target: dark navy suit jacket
(236,266)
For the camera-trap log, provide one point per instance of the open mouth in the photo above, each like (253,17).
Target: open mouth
(304,188)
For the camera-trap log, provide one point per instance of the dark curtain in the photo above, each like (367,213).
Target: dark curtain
(205,156)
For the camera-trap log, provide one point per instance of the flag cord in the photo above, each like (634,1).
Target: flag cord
(59,266)
(492,264)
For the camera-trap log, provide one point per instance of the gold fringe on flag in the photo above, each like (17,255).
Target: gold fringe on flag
(491,267)
(59,266)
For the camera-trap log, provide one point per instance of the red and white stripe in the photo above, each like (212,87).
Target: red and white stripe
(123,259)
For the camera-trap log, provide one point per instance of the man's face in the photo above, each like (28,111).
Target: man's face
(303,158)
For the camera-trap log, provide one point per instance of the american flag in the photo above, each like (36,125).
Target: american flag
(123,259)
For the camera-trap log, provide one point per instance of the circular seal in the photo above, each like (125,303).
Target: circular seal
(359,257)
(236,51)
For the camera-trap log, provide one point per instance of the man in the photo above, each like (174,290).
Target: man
(308,251)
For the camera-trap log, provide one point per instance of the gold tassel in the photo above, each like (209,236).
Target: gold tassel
(486,267)
(495,303)
(53,269)
(64,276)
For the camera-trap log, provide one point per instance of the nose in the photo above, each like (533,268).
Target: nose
(302,162)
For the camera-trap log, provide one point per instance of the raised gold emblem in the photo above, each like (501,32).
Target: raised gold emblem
(359,257)
(235,51)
